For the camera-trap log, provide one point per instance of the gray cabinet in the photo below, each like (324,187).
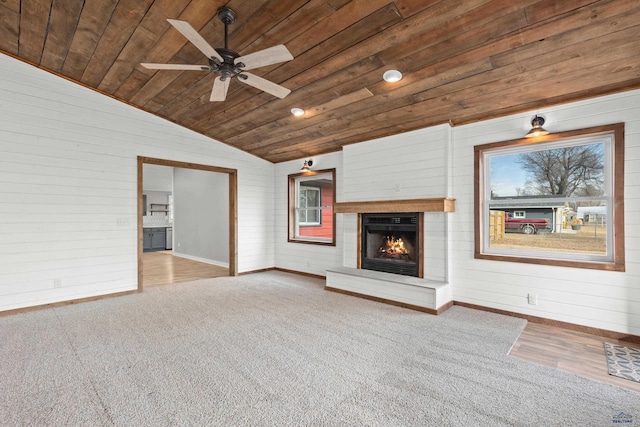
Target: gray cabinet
(146,239)
(153,239)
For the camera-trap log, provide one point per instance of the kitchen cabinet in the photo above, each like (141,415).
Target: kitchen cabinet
(153,239)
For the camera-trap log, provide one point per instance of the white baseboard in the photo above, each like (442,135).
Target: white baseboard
(206,261)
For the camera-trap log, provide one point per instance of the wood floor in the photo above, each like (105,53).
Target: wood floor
(163,268)
(572,351)
(576,352)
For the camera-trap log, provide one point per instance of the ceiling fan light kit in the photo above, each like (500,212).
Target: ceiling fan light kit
(228,63)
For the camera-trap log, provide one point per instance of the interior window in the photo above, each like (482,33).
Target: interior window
(311,199)
(556,199)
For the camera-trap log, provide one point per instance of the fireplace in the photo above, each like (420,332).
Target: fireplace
(390,242)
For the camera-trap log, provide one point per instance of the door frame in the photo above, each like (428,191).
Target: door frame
(233,207)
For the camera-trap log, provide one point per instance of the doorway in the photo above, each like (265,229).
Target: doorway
(233,197)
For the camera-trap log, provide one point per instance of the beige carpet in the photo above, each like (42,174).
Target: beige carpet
(275,349)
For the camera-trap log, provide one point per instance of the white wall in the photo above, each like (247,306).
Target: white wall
(68,171)
(600,299)
(157,178)
(201,215)
(407,166)
(307,258)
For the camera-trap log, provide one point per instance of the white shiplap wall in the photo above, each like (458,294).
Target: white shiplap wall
(600,299)
(68,171)
(307,258)
(406,166)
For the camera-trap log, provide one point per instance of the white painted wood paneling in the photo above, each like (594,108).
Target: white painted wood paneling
(68,171)
(406,166)
(435,246)
(601,299)
(307,258)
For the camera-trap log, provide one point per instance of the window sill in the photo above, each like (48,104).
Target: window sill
(606,266)
(327,242)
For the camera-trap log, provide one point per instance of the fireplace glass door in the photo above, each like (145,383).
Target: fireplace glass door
(390,243)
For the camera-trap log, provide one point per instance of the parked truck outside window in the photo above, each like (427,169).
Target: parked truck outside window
(524,225)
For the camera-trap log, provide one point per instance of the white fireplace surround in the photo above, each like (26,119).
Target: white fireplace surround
(432,293)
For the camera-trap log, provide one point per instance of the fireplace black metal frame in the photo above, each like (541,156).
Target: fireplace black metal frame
(388,223)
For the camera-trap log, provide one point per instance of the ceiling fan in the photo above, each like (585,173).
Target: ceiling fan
(226,62)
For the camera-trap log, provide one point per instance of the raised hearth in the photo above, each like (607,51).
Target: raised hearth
(429,296)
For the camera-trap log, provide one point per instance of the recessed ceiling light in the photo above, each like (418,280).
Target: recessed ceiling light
(392,76)
(297,112)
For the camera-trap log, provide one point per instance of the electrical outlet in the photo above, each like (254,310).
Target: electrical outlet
(533,299)
(57,283)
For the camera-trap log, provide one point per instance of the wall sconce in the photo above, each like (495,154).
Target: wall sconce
(536,128)
(307,166)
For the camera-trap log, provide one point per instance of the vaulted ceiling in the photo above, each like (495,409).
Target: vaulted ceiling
(462,61)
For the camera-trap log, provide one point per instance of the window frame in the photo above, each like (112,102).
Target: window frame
(293,180)
(617,263)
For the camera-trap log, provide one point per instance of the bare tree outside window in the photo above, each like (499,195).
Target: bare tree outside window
(565,171)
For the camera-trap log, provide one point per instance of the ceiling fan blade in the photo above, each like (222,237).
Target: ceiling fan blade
(220,88)
(174,66)
(264,57)
(195,38)
(265,85)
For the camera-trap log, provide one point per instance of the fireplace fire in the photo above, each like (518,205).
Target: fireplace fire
(390,243)
(393,248)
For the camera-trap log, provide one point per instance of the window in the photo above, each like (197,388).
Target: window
(311,199)
(309,206)
(555,200)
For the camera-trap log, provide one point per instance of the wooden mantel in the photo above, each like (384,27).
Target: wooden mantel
(438,204)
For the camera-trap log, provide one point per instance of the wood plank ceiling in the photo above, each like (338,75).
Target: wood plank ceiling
(462,61)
